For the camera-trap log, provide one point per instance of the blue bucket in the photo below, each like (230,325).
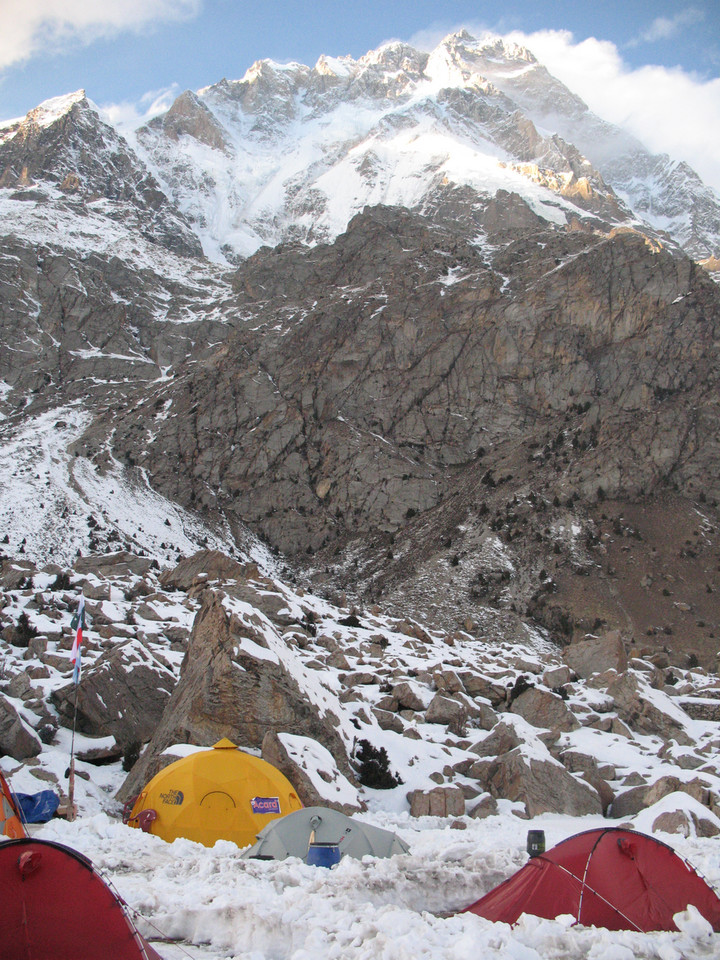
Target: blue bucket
(323,854)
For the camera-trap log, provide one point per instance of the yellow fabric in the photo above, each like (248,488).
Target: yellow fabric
(207,796)
(10,822)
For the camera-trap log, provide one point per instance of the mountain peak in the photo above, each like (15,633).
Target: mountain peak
(489,46)
(49,111)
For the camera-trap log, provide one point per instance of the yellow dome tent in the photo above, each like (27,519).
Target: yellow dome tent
(216,794)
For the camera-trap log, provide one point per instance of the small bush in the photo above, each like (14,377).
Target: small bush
(131,755)
(24,631)
(61,582)
(47,733)
(374,767)
(520,686)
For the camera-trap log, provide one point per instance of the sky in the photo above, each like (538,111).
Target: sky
(653,65)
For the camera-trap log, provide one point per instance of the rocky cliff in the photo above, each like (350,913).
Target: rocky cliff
(402,397)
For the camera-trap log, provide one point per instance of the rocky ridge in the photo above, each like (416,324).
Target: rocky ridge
(403,401)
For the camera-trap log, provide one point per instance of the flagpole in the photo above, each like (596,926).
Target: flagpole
(77,623)
(72,809)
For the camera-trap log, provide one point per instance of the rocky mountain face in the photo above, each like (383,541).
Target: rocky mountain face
(666,194)
(65,144)
(449,423)
(402,398)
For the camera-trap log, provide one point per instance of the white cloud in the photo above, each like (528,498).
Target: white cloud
(669,110)
(663,28)
(127,117)
(41,26)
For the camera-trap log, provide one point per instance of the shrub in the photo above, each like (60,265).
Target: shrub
(374,767)
(131,755)
(24,631)
(61,582)
(47,733)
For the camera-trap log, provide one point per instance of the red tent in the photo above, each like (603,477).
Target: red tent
(610,878)
(54,905)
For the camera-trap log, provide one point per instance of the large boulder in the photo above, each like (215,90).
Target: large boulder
(409,695)
(123,694)
(502,738)
(448,711)
(205,565)
(544,709)
(438,802)
(17,739)
(648,711)
(233,685)
(597,655)
(634,801)
(542,784)
(685,816)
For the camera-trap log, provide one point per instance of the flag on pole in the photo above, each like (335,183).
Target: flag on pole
(78,625)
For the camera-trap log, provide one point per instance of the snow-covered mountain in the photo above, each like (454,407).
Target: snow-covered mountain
(292,152)
(442,475)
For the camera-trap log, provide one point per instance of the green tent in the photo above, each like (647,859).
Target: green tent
(290,836)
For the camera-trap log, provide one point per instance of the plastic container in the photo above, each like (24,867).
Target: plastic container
(323,854)
(536,842)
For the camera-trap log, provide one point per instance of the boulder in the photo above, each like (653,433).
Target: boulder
(448,711)
(595,775)
(633,801)
(15,572)
(438,802)
(388,721)
(597,654)
(122,694)
(545,710)
(312,771)
(111,565)
(447,681)
(543,785)
(232,685)
(482,715)
(673,821)
(648,711)
(555,677)
(502,738)
(407,696)
(476,685)
(17,739)
(486,806)
(208,565)
(688,817)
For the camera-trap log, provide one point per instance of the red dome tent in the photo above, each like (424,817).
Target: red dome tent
(54,905)
(610,878)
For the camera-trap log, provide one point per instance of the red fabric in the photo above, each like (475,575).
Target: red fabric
(53,906)
(610,878)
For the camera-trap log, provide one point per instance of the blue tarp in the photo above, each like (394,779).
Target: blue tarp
(37,807)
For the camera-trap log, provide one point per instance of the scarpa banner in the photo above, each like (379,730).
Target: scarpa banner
(265,804)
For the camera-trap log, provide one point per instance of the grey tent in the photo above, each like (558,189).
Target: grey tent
(289,836)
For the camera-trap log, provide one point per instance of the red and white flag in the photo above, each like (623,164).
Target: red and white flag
(78,625)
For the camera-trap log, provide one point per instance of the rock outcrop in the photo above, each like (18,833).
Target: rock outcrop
(226,691)
(123,694)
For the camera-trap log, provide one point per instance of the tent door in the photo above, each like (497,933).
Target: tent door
(217,802)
